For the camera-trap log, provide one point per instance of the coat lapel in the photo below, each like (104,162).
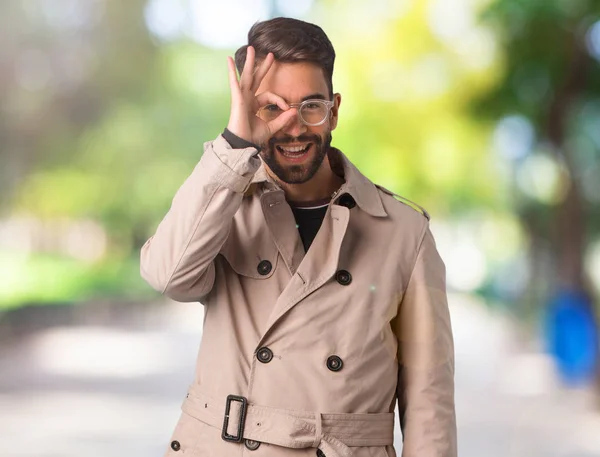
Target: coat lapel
(282,226)
(318,265)
(311,270)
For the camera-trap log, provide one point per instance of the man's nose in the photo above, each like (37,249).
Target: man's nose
(295,127)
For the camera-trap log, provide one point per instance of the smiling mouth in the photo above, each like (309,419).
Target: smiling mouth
(294,151)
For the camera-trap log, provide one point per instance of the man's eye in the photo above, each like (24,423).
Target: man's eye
(313,106)
(272,108)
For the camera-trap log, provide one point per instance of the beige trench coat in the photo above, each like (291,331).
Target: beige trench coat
(317,347)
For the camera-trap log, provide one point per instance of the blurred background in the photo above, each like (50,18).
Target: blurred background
(486,112)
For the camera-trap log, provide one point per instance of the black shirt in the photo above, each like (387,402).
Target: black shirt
(308,222)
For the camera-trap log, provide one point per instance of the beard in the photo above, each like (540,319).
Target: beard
(301,173)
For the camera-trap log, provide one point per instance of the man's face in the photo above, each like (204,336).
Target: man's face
(295,153)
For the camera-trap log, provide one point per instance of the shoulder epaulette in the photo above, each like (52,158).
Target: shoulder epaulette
(406,201)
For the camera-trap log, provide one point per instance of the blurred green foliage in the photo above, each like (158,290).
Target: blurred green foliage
(40,279)
(551,80)
(101,120)
(404,117)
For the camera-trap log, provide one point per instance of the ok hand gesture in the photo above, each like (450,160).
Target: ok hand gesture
(245,103)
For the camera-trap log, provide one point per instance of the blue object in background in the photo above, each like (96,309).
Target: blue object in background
(572,336)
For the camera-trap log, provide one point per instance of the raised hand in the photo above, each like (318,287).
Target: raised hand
(245,103)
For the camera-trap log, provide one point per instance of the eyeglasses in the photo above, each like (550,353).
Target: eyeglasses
(311,112)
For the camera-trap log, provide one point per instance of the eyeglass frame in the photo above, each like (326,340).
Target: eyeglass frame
(328,103)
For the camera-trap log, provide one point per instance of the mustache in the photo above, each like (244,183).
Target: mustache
(289,139)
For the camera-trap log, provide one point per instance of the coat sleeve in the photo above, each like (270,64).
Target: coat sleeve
(426,359)
(178,260)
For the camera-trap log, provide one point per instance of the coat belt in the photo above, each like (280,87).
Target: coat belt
(333,433)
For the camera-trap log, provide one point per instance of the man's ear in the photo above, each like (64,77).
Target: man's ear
(335,109)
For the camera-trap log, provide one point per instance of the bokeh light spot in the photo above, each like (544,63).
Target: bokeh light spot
(593,40)
(514,137)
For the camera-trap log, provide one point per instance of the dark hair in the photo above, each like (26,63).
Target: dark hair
(290,40)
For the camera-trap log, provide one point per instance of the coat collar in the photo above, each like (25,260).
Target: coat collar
(364,192)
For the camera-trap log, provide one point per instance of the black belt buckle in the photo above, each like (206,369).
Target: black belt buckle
(240,433)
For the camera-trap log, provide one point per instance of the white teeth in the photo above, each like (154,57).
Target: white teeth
(294,149)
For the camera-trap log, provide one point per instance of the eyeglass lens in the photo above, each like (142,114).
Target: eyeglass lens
(311,113)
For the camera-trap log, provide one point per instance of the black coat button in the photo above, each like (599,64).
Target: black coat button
(264,355)
(343,277)
(252,445)
(347,200)
(320,453)
(264,267)
(175,445)
(334,363)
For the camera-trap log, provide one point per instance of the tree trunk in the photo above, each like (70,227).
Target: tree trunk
(569,238)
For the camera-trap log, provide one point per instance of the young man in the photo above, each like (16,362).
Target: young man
(324,296)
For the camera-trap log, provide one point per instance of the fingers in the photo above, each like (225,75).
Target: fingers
(247,72)
(284,118)
(262,71)
(266,98)
(281,121)
(233,81)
